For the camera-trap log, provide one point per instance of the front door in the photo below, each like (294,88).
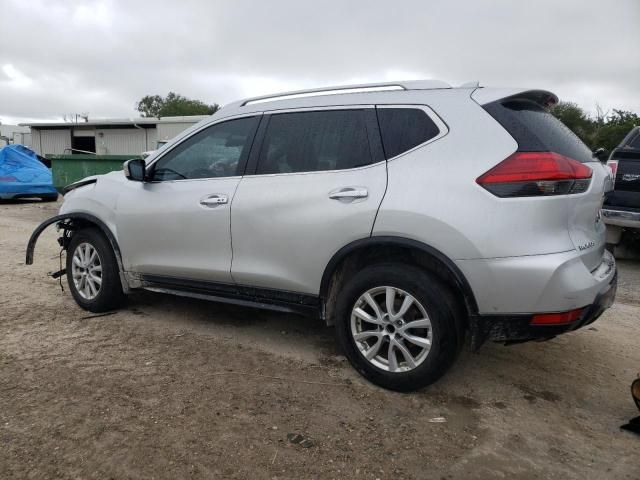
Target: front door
(178,223)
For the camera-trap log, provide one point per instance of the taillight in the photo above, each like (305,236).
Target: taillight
(613,165)
(8,178)
(533,174)
(557,318)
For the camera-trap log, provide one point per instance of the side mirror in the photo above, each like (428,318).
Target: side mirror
(135,169)
(601,154)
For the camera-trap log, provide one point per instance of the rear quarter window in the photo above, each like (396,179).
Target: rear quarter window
(404,128)
(537,130)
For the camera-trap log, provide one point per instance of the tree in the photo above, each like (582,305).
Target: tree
(606,130)
(173,105)
(150,105)
(615,127)
(575,118)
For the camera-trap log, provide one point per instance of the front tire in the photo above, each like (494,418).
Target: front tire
(397,326)
(92,272)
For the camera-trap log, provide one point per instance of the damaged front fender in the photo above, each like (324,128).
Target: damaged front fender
(38,231)
(75,221)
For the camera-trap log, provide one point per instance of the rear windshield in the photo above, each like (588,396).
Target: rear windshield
(537,130)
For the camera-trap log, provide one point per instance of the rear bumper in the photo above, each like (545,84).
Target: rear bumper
(518,328)
(621,218)
(556,282)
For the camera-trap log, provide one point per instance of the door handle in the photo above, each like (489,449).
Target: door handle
(214,200)
(349,193)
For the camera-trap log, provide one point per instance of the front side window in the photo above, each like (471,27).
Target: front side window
(404,128)
(314,141)
(217,151)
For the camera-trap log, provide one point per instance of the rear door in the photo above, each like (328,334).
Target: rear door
(317,179)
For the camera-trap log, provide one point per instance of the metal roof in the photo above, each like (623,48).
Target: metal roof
(97,122)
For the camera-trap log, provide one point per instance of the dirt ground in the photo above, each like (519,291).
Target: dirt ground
(175,388)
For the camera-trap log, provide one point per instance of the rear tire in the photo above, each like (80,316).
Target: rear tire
(426,331)
(92,272)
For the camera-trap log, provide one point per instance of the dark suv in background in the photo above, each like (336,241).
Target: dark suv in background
(621,209)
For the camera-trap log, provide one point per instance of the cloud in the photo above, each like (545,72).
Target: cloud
(94,14)
(102,56)
(16,79)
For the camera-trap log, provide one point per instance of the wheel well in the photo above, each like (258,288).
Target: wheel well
(78,223)
(70,222)
(353,258)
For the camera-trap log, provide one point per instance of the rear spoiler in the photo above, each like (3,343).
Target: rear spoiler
(488,95)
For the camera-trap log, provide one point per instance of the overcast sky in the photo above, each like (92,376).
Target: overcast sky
(102,56)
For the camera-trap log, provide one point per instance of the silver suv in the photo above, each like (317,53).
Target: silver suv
(409,215)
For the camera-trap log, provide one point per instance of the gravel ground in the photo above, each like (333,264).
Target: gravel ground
(174,388)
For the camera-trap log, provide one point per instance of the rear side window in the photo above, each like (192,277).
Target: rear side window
(314,141)
(404,128)
(537,130)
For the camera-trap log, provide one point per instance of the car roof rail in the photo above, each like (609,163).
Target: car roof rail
(357,88)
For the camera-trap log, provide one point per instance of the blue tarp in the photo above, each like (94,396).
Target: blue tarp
(23,175)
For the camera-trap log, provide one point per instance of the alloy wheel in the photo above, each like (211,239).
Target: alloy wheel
(391,329)
(86,269)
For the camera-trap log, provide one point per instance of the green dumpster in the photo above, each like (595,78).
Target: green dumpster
(70,168)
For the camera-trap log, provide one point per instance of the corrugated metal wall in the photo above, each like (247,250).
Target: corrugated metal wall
(166,131)
(53,141)
(152,139)
(120,141)
(109,141)
(35,141)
